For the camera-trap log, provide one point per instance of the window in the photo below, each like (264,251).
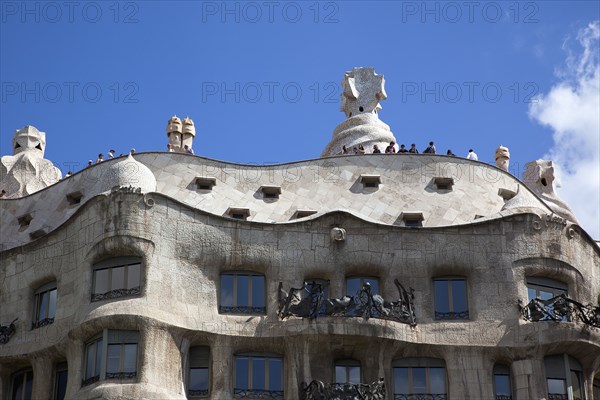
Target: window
(205,183)
(44,305)
(502,382)
(243,293)
(545,289)
(419,376)
(450,298)
(117,278)
(198,378)
(60,382)
(258,375)
(74,198)
(347,371)
(238,213)
(111,355)
(300,213)
(564,378)
(412,219)
(370,181)
(443,183)
(596,389)
(270,192)
(355,284)
(22,383)
(24,220)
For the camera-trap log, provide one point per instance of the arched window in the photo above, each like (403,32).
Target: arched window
(502,388)
(258,375)
(347,371)
(44,305)
(199,368)
(450,298)
(22,383)
(564,378)
(544,288)
(242,293)
(117,277)
(415,377)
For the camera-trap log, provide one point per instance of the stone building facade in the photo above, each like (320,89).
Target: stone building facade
(386,276)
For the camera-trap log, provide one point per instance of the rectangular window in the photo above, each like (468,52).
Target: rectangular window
(258,376)
(502,389)
(60,382)
(117,278)
(546,289)
(450,297)
(242,293)
(198,379)
(44,305)
(112,355)
(22,384)
(419,378)
(347,371)
(355,284)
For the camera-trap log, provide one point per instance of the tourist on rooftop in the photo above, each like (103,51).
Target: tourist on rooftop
(450,153)
(188,149)
(361,149)
(132,151)
(376,149)
(100,158)
(472,155)
(413,149)
(170,148)
(111,153)
(402,149)
(3,193)
(355,150)
(390,149)
(90,163)
(430,149)
(344,150)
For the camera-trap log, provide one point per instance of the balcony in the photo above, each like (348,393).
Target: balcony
(317,390)
(560,308)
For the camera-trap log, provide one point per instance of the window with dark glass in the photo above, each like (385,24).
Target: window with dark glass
(198,378)
(564,378)
(347,371)
(111,355)
(117,278)
(243,293)
(22,383)
(416,378)
(502,389)
(450,297)
(258,375)
(44,305)
(60,382)
(355,283)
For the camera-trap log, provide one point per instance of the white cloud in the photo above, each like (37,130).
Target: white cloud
(572,110)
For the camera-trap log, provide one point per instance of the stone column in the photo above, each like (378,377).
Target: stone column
(161,366)
(528,379)
(42,377)
(222,368)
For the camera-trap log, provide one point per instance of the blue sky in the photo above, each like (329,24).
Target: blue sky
(261,79)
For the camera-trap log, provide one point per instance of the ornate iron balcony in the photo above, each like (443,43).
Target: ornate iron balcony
(121,375)
(42,322)
(560,308)
(7,331)
(199,392)
(317,390)
(420,396)
(242,310)
(557,396)
(311,303)
(440,316)
(257,394)
(503,397)
(90,380)
(113,294)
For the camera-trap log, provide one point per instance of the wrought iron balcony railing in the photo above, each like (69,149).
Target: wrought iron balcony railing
(121,375)
(7,331)
(560,308)
(317,390)
(90,380)
(242,310)
(309,302)
(42,322)
(257,394)
(114,294)
(440,316)
(198,392)
(420,396)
